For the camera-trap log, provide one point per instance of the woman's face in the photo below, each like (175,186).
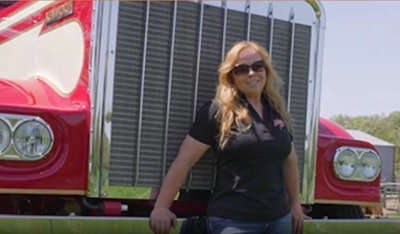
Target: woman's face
(249,74)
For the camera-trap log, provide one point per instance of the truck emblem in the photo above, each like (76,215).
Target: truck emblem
(59,12)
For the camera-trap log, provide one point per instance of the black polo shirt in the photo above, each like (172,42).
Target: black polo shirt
(249,182)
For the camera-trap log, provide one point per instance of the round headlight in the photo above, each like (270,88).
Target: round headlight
(346,163)
(33,138)
(370,165)
(5,136)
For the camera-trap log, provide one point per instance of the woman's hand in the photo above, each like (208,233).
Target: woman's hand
(161,220)
(298,218)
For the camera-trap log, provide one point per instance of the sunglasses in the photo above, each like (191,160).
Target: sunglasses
(244,69)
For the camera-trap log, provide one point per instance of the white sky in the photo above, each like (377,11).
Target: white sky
(361,66)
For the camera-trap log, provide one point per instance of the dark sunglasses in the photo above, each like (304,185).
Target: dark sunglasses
(244,69)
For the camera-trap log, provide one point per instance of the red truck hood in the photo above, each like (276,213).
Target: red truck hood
(330,128)
(36,93)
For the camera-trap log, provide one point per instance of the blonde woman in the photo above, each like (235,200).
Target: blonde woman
(257,186)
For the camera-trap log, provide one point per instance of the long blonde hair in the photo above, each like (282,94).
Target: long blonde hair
(231,110)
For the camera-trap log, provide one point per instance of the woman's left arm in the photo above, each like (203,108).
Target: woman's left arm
(291,175)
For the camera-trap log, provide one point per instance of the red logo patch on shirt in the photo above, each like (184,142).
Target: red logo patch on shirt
(279,122)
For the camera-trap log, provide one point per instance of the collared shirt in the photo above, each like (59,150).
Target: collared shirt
(249,182)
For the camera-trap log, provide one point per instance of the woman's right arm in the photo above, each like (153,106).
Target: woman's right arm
(161,218)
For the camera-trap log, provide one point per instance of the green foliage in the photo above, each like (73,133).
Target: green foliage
(385,127)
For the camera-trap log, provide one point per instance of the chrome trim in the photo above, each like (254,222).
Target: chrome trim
(94,142)
(139,134)
(316,5)
(281,8)
(199,46)
(335,162)
(290,78)
(13,121)
(97,81)
(225,6)
(109,87)
(271,28)
(171,63)
(46,125)
(8,125)
(311,144)
(380,164)
(247,9)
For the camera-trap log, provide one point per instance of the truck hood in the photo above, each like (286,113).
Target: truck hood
(330,128)
(37,93)
(37,53)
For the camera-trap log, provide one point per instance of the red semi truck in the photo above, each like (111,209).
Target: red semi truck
(96,97)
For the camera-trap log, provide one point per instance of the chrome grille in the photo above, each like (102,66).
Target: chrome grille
(152,109)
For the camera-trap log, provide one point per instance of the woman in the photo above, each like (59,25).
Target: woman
(257,184)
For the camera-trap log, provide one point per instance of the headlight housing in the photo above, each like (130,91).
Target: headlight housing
(370,165)
(24,137)
(345,163)
(32,138)
(5,135)
(357,164)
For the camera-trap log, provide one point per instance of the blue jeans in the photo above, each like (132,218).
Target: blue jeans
(218,225)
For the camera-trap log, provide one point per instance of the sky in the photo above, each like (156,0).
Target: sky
(361,62)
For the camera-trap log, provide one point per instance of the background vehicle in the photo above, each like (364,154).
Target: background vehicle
(97,96)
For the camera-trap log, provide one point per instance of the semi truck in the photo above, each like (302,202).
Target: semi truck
(96,97)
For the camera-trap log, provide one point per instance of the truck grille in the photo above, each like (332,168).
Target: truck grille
(154,99)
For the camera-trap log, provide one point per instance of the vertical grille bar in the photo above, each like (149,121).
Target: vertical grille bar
(290,78)
(127,94)
(156,91)
(248,12)
(225,7)
(202,172)
(271,28)
(142,92)
(300,86)
(167,114)
(198,59)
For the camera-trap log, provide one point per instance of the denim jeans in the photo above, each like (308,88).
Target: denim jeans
(218,225)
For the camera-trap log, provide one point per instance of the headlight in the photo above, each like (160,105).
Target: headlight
(356,164)
(370,165)
(5,136)
(345,163)
(33,138)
